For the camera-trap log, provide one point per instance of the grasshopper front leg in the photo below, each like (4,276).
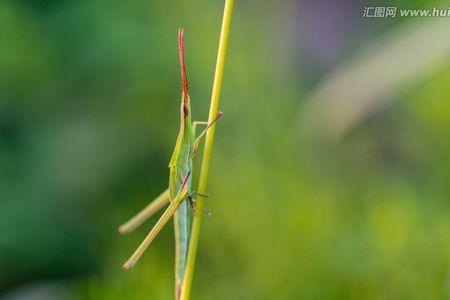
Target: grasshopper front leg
(196,123)
(146,212)
(201,135)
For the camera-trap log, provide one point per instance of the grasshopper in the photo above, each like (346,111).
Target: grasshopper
(179,195)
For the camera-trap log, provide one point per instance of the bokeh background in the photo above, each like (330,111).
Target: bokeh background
(330,176)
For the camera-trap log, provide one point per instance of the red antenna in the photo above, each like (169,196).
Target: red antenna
(184,82)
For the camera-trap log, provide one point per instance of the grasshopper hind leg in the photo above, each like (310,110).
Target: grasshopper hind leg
(154,206)
(168,213)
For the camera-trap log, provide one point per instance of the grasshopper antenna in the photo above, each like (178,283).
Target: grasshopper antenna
(184,81)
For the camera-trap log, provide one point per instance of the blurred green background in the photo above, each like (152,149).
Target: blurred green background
(330,176)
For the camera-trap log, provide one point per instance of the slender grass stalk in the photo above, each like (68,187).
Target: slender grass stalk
(207,150)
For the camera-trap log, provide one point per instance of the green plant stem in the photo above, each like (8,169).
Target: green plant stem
(207,150)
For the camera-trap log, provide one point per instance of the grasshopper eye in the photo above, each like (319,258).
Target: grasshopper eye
(185,109)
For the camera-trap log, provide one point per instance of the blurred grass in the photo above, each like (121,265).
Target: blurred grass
(88,117)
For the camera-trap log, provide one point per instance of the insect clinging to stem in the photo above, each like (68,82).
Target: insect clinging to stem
(179,195)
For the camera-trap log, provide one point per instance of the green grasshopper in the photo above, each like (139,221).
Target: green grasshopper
(179,194)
